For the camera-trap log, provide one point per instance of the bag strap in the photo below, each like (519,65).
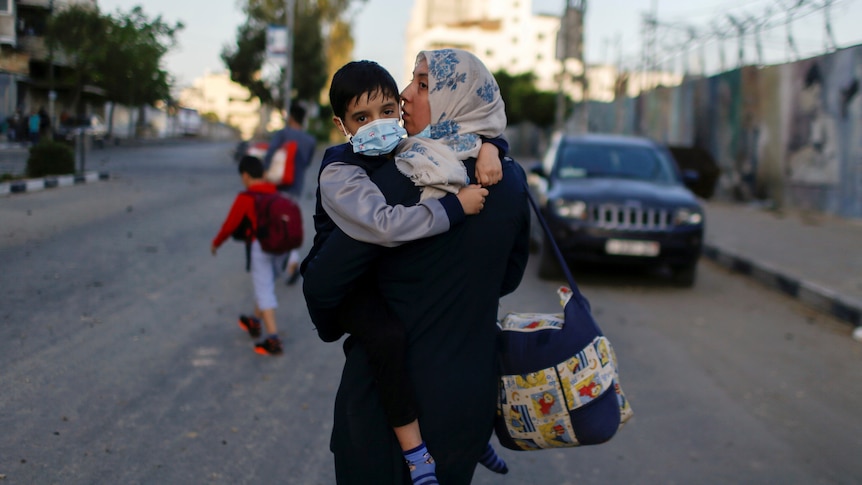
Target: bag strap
(550,239)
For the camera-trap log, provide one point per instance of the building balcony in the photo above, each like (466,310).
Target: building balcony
(7,30)
(36,3)
(34,45)
(15,62)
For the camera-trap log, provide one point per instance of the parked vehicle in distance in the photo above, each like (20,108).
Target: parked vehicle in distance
(188,122)
(614,199)
(89,125)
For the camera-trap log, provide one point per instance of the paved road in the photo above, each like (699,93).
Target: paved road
(121,361)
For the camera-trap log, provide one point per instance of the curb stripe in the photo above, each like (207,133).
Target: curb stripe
(811,295)
(33,185)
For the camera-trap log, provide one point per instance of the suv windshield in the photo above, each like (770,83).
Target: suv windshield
(613,161)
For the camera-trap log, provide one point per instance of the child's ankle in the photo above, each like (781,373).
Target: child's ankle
(423,470)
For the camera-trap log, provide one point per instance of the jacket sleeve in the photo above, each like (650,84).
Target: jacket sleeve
(309,150)
(330,274)
(499,142)
(359,208)
(243,207)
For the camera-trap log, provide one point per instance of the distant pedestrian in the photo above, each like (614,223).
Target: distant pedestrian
(44,122)
(13,121)
(304,152)
(265,267)
(34,125)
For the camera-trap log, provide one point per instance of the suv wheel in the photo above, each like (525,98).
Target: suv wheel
(685,275)
(549,265)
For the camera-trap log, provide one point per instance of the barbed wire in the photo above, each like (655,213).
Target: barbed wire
(666,41)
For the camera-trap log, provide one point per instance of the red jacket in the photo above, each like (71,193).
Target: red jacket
(242,208)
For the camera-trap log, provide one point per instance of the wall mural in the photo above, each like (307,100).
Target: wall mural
(789,134)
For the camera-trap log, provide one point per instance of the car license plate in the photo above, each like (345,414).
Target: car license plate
(627,247)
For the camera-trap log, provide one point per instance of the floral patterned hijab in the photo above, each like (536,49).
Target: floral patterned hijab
(465,103)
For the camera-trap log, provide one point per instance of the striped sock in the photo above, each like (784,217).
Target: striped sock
(493,462)
(422,466)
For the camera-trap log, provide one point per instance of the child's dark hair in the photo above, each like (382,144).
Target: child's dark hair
(297,112)
(360,78)
(252,166)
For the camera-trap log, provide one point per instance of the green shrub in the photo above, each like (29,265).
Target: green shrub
(50,158)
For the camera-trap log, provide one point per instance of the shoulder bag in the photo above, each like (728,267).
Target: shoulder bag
(559,381)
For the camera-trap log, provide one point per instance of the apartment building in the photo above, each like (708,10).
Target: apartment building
(505,34)
(28,72)
(216,93)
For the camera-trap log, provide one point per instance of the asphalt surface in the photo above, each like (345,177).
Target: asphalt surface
(812,257)
(123,362)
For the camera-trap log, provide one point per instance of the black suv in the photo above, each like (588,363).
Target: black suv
(620,200)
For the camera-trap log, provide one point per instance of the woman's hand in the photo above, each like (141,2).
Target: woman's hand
(472,198)
(489,169)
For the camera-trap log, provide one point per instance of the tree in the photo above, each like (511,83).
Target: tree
(524,102)
(121,53)
(311,70)
(77,33)
(131,67)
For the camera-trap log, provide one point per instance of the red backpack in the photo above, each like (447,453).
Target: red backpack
(279,222)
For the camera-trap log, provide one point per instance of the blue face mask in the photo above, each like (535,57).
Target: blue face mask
(378,137)
(425,133)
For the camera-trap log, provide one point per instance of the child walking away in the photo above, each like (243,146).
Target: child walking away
(271,225)
(365,101)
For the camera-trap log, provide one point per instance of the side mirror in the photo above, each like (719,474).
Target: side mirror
(690,176)
(538,170)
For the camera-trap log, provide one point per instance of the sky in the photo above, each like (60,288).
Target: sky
(612,30)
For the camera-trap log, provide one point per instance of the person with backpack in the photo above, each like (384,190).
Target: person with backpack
(298,148)
(271,226)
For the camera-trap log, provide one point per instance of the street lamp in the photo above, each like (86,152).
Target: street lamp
(570,46)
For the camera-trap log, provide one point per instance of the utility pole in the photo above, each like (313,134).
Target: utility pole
(290,7)
(562,48)
(52,94)
(829,39)
(570,42)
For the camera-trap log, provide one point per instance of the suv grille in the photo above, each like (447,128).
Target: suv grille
(611,216)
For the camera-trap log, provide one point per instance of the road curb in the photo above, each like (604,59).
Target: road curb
(35,185)
(810,294)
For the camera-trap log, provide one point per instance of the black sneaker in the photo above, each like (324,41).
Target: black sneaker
(269,346)
(250,325)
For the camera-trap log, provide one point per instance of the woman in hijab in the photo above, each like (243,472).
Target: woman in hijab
(451,105)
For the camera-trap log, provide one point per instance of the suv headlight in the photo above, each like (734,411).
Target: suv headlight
(687,216)
(570,209)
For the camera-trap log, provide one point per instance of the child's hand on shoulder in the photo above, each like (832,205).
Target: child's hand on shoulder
(489,168)
(472,198)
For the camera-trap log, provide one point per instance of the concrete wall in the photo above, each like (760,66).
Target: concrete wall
(789,134)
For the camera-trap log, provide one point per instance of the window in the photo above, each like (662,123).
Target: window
(609,161)
(5,7)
